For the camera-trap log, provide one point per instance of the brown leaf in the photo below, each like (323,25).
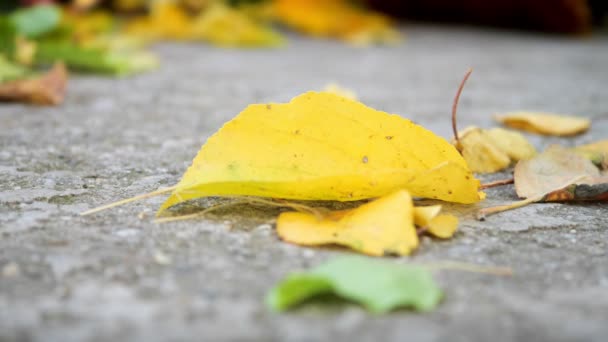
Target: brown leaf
(552,170)
(48,89)
(556,175)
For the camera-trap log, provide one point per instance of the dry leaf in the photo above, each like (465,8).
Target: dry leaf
(382,227)
(545,123)
(556,175)
(48,89)
(321,146)
(552,170)
(336,19)
(492,150)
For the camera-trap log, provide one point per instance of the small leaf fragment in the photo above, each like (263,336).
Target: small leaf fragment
(335,88)
(36,21)
(382,227)
(545,123)
(443,226)
(378,285)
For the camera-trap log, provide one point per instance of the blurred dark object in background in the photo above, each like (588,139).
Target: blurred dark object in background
(558,16)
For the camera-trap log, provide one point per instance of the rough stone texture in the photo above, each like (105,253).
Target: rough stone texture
(119,276)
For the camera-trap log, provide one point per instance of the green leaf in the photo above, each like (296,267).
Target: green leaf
(10,71)
(378,285)
(34,22)
(94,59)
(7,36)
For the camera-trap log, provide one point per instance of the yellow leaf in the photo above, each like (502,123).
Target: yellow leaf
(440,225)
(382,227)
(512,143)
(424,215)
(321,146)
(225,26)
(336,19)
(443,226)
(167,20)
(492,150)
(545,123)
(481,154)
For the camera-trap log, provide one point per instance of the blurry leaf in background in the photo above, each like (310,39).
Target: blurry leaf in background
(545,123)
(96,59)
(378,285)
(167,20)
(336,19)
(226,26)
(47,89)
(36,21)
(597,152)
(10,71)
(382,227)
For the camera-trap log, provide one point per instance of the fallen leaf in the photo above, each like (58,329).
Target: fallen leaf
(223,25)
(382,227)
(336,19)
(166,20)
(96,59)
(10,71)
(35,21)
(481,154)
(492,150)
(443,226)
(556,175)
(378,285)
(550,170)
(48,89)
(545,123)
(321,146)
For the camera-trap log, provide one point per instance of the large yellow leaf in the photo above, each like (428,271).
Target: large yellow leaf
(382,227)
(322,146)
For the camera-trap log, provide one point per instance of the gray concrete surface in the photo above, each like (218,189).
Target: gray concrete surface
(117,276)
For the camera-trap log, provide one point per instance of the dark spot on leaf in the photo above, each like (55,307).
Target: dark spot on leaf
(269,107)
(297,131)
(449,192)
(388,137)
(364,160)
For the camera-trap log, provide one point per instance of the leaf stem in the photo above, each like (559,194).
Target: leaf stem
(455,105)
(496,183)
(128,200)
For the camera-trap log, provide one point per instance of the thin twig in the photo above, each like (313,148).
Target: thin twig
(496,183)
(455,105)
(128,200)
